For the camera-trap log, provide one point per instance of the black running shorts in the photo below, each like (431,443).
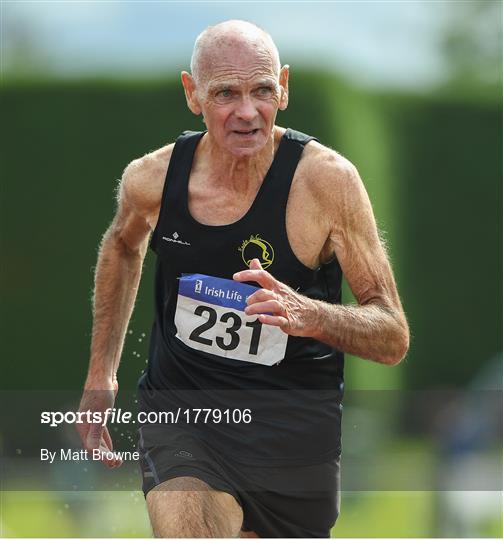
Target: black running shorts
(277,502)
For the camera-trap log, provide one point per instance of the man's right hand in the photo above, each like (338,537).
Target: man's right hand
(98,397)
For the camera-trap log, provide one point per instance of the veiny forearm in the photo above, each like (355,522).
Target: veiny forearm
(117,278)
(368,331)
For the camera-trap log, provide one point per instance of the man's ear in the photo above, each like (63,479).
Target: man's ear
(189,87)
(283,82)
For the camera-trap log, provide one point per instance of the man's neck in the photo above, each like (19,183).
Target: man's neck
(239,174)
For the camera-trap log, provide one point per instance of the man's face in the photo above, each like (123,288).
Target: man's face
(239,97)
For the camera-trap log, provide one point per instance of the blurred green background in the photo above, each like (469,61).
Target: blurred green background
(430,156)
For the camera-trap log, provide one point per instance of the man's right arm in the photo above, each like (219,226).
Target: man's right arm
(117,278)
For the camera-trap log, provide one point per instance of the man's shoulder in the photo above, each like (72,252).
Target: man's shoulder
(147,168)
(325,168)
(143,178)
(325,159)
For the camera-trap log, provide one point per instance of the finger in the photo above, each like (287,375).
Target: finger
(273,320)
(259,276)
(104,455)
(262,295)
(107,445)
(108,439)
(98,438)
(110,462)
(270,306)
(255,265)
(94,436)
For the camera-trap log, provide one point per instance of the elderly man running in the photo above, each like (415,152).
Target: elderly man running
(253,226)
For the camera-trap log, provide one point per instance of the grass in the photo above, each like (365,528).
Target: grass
(123,514)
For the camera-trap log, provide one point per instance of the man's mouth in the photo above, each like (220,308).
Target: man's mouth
(245,132)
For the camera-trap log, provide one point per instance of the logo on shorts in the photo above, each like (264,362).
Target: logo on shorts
(184,454)
(257,248)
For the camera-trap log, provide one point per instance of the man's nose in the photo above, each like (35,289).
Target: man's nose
(246,109)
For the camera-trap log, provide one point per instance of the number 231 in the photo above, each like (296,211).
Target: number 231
(232,331)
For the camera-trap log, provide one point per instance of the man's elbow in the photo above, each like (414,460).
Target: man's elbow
(398,347)
(123,247)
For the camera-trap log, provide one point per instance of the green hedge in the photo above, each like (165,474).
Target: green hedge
(430,167)
(448,168)
(64,150)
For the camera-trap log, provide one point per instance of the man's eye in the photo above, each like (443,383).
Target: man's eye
(225,93)
(264,91)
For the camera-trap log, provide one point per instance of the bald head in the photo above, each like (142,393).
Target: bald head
(230,35)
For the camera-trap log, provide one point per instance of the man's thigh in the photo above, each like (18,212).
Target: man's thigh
(188,507)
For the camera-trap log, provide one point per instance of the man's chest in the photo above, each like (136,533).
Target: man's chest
(306,227)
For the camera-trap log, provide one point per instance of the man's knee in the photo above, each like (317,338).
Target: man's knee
(188,507)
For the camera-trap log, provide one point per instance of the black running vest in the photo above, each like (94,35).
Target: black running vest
(296,404)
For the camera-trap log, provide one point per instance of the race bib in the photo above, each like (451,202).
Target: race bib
(210,317)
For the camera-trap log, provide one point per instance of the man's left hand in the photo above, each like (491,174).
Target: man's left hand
(277,304)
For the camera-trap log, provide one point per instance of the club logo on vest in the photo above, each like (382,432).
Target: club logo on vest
(257,248)
(175,238)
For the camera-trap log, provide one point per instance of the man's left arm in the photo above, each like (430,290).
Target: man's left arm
(376,328)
